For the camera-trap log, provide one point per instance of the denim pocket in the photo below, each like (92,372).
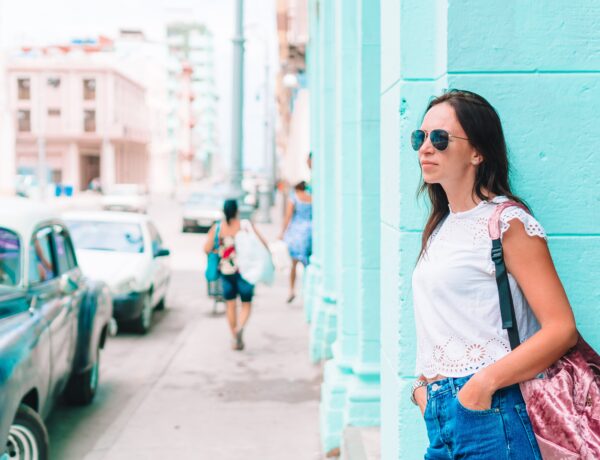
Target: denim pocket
(491,410)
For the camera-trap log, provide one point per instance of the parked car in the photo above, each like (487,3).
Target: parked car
(126,197)
(202,208)
(200,211)
(126,251)
(53,324)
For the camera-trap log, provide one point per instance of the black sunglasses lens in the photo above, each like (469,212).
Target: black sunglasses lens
(417,138)
(439,139)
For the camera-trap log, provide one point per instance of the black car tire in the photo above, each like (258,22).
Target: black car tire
(82,387)
(142,324)
(27,437)
(160,306)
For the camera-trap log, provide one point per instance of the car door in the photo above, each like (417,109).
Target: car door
(45,287)
(71,284)
(160,265)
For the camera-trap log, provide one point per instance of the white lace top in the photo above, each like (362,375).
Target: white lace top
(457,308)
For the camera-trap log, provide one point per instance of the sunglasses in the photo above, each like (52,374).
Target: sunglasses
(439,138)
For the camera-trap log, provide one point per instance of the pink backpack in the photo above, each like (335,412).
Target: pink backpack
(563,403)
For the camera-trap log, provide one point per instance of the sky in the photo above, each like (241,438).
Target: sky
(39,22)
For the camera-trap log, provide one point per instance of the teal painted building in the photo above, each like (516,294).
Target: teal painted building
(373,65)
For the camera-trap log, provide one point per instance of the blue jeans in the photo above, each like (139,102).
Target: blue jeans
(503,432)
(234,285)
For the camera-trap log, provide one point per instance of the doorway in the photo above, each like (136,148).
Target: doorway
(90,169)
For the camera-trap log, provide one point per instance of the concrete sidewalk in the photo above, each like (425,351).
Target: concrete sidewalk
(211,402)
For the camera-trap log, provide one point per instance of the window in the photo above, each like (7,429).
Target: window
(89,121)
(107,236)
(56,176)
(10,258)
(65,255)
(41,261)
(54,82)
(24,121)
(89,89)
(54,112)
(24,85)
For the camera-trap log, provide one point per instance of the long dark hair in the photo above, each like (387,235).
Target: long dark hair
(483,128)
(230,209)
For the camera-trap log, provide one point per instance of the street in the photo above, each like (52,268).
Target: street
(181,392)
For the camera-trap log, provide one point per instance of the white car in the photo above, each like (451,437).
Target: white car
(126,197)
(125,251)
(201,210)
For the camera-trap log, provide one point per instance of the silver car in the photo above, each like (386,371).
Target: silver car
(200,211)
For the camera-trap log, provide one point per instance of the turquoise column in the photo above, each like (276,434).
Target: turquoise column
(338,371)
(414,68)
(363,397)
(323,322)
(312,275)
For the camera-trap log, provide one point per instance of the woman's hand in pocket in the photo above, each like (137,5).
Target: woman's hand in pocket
(421,398)
(476,395)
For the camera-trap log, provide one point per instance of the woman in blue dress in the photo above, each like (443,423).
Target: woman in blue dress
(297,231)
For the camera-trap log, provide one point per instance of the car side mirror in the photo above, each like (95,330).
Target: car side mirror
(162,252)
(67,284)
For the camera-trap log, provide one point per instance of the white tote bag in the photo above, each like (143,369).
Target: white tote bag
(253,258)
(280,255)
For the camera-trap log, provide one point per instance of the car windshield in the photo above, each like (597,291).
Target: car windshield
(107,236)
(125,190)
(201,199)
(10,258)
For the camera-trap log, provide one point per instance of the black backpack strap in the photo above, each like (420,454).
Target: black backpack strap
(507,308)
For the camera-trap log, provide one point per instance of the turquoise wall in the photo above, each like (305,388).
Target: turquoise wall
(539,67)
(373,66)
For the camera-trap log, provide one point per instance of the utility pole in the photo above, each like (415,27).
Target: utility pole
(237,115)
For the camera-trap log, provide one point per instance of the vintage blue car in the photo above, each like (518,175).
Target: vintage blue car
(53,323)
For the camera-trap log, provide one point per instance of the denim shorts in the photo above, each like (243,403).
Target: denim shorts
(502,432)
(234,285)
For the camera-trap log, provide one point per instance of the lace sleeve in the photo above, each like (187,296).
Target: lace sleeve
(532,226)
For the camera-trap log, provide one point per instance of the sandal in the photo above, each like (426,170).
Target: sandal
(291,298)
(239,342)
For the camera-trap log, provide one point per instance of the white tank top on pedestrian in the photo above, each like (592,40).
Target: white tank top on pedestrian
(457,310)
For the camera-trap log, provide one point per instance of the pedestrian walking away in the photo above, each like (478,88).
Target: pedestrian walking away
(297,231)
(468,384)
(234,285)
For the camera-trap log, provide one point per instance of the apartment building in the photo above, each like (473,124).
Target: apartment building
(80,118)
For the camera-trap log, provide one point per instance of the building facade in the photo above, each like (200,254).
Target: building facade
(372,68)
(292,95)
(145,61)
(192,99)
(79,119)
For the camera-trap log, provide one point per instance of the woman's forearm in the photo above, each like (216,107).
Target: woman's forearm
(531,357)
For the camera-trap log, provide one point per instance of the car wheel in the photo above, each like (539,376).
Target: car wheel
(27,436)
(82,387)
(160,305)
(142,324)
